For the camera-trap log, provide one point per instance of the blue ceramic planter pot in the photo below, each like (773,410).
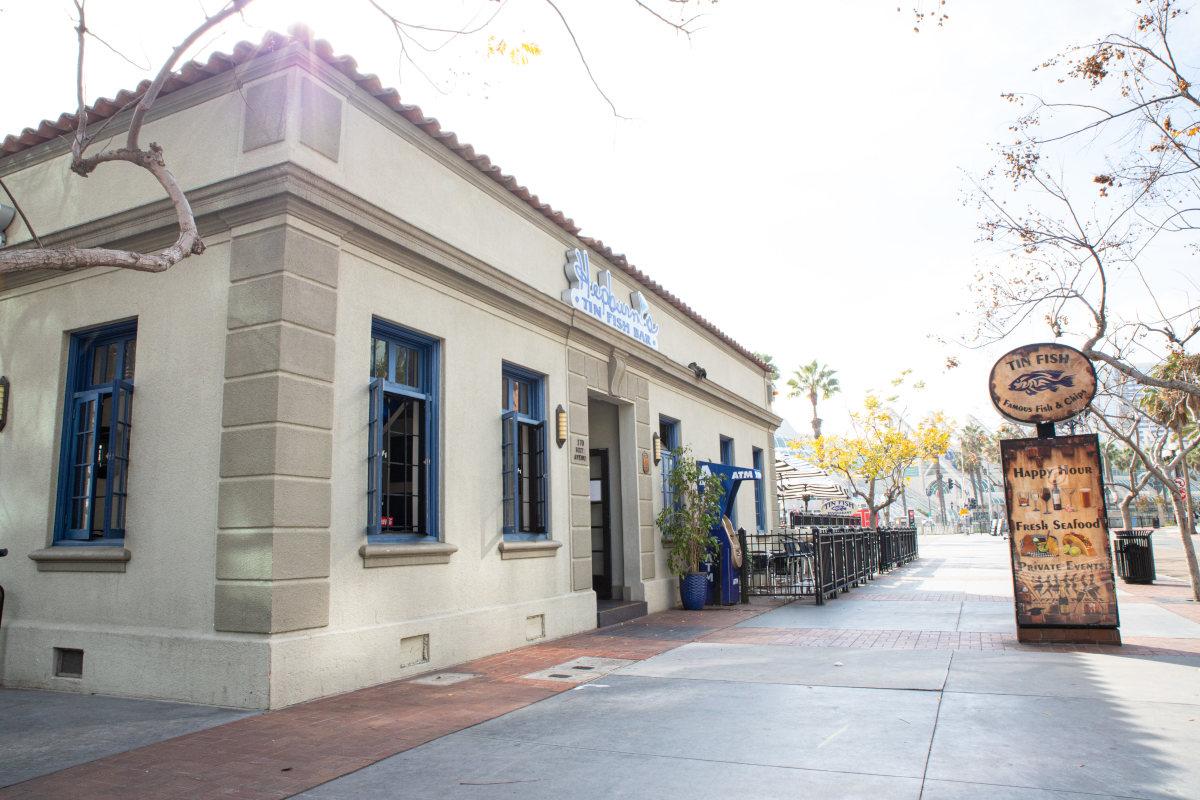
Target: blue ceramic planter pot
(692,590)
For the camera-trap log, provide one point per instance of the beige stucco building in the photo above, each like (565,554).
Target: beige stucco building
(324,454)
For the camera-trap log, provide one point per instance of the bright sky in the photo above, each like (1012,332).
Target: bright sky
(795,173)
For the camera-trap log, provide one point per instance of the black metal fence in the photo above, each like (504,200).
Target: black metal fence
(1137,520)
(821,562)
(801,519)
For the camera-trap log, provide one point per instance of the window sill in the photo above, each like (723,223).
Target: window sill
(402,554)
(101,558)
(529,548)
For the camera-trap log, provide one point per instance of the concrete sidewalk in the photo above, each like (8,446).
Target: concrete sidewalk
(912,686)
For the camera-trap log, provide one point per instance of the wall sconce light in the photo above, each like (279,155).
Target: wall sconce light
(560,425)
(6,217)
(700,371)
(656,447)
(3,402)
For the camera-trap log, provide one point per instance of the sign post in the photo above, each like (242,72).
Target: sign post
(1054,492)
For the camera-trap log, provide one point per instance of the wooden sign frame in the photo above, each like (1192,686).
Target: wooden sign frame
(1040,383)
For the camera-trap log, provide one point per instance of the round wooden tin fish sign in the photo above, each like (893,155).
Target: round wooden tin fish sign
(1042,383)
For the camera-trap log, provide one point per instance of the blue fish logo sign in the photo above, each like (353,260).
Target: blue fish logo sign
(1042,380)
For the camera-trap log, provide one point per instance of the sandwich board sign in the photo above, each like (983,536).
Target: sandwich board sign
(1058,526)
(1063,583)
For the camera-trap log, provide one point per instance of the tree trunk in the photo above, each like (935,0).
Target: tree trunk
(1126,514)
(1187,495)
(816,421)
(941,492)
(871,507)
(976,482)
(987,498)
(1186,529)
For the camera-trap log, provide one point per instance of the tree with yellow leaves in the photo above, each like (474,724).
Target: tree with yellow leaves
(873,460)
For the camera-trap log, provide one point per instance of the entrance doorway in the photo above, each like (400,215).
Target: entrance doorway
(602,555)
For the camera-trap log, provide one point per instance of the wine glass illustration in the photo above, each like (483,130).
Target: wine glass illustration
(1046,499)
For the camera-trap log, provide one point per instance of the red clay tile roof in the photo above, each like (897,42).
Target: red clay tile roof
(194,72)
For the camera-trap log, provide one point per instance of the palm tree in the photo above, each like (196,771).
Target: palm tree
(814,379)
(772,371)
(973,443)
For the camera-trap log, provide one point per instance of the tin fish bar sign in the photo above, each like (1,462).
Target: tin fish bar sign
(1046,382)
(597,297)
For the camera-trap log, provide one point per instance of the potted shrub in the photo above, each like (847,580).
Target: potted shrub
(687,522)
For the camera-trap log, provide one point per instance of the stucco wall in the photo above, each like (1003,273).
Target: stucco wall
(400,230)
(143,629)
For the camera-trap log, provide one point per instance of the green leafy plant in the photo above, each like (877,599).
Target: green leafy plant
(687,522)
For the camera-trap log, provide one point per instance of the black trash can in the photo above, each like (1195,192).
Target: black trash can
(1135,555)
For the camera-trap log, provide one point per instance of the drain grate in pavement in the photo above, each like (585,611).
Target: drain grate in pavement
(444,678)
(579,670)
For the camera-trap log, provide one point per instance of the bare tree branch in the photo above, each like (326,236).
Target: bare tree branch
(151,160)
(583,59)
(683,26)
(139,113)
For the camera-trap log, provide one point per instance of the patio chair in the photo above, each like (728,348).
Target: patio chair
(785,564)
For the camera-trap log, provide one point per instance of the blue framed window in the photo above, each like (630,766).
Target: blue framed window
(402,462)
(760,512)
(93,465)
(523,453)
(727,459)
(668,437)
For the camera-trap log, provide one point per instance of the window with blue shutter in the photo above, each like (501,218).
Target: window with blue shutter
(93,478)
(523,454)
(375,457)
(402,467)
(760,511)
(668,435)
